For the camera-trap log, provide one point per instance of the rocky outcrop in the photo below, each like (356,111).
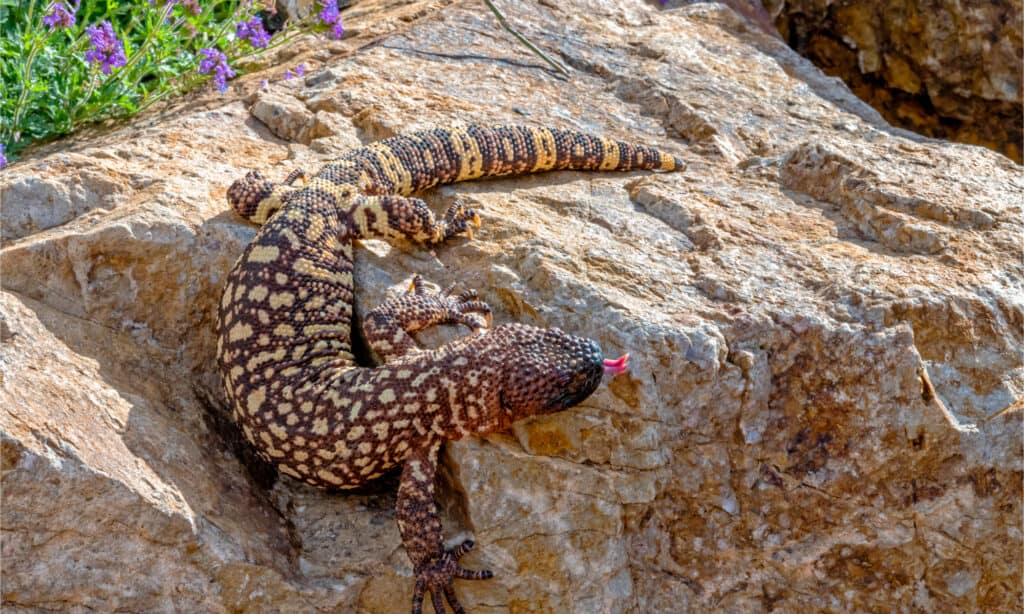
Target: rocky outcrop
(939,67)
(824,315)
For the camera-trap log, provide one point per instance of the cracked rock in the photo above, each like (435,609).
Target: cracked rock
(823,314)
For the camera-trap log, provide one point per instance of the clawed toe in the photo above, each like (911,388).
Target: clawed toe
(460,220)
(469,302)
(449,594)
(435,596)
(437,577)
(295,174)
(469,310)
(466,308)
(473,309)
(470,321)
(416,286)
(457,228)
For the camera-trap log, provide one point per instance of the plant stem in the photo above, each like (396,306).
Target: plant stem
(26,85)
(68,106)
(185,85)
(31,7)
(224,26)
(174,27)
(501,19)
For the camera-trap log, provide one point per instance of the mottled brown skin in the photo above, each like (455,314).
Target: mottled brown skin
(284,325)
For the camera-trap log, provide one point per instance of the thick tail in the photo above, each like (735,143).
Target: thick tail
(405,164)
(408,163)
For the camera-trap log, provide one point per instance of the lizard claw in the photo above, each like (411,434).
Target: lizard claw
(295,174)
(416,285)
(469,310)
(466,309)
(457,220)
(436,577)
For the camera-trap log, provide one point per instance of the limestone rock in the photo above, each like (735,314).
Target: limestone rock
(824,315)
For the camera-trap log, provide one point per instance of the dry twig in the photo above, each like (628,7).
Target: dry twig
(501,19)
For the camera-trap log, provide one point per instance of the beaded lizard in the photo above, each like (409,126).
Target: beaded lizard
(284,323)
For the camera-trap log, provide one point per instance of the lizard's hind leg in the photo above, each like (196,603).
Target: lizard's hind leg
(435,566)
(388,327)
(256,199)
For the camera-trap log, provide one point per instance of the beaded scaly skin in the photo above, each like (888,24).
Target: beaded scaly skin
(285,316)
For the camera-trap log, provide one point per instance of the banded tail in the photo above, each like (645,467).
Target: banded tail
(406,164)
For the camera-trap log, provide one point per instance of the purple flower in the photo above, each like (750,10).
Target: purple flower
(3,158)
(105,48)
(288,75)
(253,32)
(331,15)
(61,15)
(300,70)
(215,61)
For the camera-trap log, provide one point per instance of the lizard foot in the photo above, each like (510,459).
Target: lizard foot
(457,220)
(437,577)
(466,308)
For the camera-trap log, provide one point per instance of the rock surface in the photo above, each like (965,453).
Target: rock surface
(943,68)
(824,315)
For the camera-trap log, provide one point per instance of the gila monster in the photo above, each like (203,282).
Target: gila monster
(284,344)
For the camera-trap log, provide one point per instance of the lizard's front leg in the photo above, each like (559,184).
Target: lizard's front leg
(435,567)
(410,218)
(388,326)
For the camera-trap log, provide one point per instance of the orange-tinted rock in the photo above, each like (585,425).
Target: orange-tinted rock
(785,302)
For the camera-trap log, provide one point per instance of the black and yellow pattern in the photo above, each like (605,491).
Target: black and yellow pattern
(285,318)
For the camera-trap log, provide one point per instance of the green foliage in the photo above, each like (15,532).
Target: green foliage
(62,65)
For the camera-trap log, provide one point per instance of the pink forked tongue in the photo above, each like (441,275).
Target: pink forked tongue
(617,366)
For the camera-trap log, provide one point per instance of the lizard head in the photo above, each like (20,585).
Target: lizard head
(255,198)
(550,370)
